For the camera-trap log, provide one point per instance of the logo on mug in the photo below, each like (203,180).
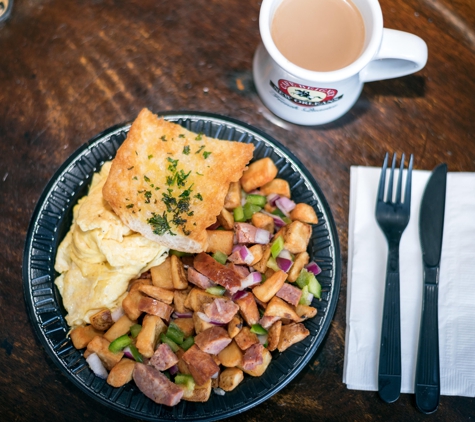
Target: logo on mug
(306,96)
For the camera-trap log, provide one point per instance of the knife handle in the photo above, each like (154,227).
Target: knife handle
(427,386)
(389,374)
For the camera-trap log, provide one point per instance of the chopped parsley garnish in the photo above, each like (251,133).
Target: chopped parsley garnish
(150,156)
(130,206)
(147,195)
(146,178)
(181,177)
(160,224)
(199,137)
(174,163)
(201,149)
(181,135)
(163,138)
(206,154)
(130,168)
(186,150)
(135,178)
(198,196)
(199,174)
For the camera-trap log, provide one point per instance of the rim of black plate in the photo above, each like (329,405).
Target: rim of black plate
(33,287)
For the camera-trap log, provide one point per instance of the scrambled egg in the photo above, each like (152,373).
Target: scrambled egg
(99,256)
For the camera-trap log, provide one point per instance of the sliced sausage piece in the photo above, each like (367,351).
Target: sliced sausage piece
(290,294)
(213,340)
(201,364)
(245,233)
(155,307)
(253,357)
(267,321)
(242,270)
(221,310)
(198,279)
(163,358)
(156,386)
(217,272)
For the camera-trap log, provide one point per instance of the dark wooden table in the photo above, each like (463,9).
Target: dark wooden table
(70,69)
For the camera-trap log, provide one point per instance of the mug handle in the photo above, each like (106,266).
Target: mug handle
(400,54)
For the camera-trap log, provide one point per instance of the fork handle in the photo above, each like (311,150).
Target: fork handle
(389,374)
(427,385)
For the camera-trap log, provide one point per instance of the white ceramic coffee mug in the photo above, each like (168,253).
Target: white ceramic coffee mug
(307,97)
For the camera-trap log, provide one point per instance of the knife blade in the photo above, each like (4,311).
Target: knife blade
(431,227)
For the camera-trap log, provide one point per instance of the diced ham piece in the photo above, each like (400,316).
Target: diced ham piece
(253,357)
(155,307)
(198,279)
(267,321)
(240,269)
(201,364)
(220,310)
(290,294)
(163,358)
(156,386)
(213,340)
(219,273)
(245,232)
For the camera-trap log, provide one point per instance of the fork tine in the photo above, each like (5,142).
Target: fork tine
(389,197)
(399,180)
(407,192)
(382,179)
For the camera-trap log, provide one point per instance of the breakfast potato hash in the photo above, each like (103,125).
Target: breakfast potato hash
(188,324)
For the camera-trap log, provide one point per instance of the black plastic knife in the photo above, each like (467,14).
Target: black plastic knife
(431,227)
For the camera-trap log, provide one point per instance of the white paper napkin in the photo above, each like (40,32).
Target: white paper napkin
(367,256)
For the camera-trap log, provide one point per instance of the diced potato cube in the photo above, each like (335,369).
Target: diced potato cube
(277,307)
(231,355)
(230,378)
(261,266)
(279,186)
(200,393)
(179,278)
(234,326)
(265,291)
(179,298)
(186,325)
(100,346)
(162,275)
(246,339)
(121,373)
(274,335)
(305,312)
(120,327)
(300,261)
(248,308)
(260,369)
(291,334)
(199,324)
(257,251)
(297,236)
(182,365)
(164,295)
(102,320)
(305,213)
(197,298)
(233,197)
(263,221)
(258,174)
(226,219)
(131,304)
(152,327)
(81,336)
(220,240)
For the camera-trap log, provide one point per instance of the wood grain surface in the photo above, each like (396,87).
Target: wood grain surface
(70,69)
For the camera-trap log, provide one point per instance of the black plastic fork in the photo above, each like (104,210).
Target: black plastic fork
(392,217)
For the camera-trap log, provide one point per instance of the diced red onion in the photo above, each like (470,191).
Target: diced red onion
(285,205)
(239,294)
(205,318)
(219,391)
(117,313)
(313,268)
(173,370)
(246,255)
(284,253)
(236,247)
(263,237)
(309,297)
(251,280)
(97,366)
(284,264)
(278,222)
(176,315)
(271,198)
(262,338)
(255,192)
(128,353)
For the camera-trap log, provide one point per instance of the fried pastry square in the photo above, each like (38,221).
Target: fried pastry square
(169,184)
